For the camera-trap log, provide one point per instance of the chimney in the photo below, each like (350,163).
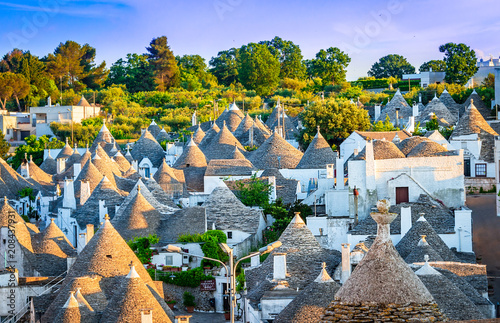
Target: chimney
(415,112)
(370,165)
(250,136)
(272,181)
(339,166)
(90,231)
(255,261)
(346,262)
(146,316)
(61,165)
(25,169)
(102,211)
(182,318)
(355,152)
(397,117)
(405,220)
(77,168)
(81,242)
(420,98)
(69,200)
(377,112)
(49,101)
(279,266)
(84,191)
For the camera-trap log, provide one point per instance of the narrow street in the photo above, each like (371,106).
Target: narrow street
(486,237)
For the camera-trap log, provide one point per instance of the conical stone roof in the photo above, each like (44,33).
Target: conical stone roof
(397,102)
(318,154)
(406,145)
(104,139)
(478,103)
(154,129)
(83,102)
(107,255)
(232,118)
(311,303)
(49,165)
(53,241)
(70,313)
(162,135)
(38,174)
(421,250)
(222,145)
(437,108)
(131,297)
(66,152)
(138,219)
(165,174)
(276,152)
(451,300)
(192,156)
(472,122)
(383,281)
(147,146)
(198,135)
(209,135)
(89,173)
(450,103)
(121,161)
(74,158)
(411,239)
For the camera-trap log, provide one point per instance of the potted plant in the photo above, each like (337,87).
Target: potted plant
(171,303)
(188,301)
(227,315)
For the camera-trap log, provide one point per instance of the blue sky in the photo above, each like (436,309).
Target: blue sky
(366,29)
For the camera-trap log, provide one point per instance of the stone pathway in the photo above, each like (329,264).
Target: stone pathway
(201,317)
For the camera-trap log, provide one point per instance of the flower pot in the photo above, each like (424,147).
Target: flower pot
(171,305)
(190,309)
(227,316)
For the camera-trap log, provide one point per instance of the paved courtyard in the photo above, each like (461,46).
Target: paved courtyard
(486,237)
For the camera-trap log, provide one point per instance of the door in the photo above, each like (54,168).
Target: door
(402,195)
(467,167)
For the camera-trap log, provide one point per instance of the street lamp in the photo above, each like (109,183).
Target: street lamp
(232,266)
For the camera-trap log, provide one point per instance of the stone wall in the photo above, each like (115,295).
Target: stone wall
(201,298)
(474,184)
(343,312)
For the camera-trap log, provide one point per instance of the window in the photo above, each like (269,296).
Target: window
(146,172)
(480,170)
(229,234)
(169,260)
(8,131)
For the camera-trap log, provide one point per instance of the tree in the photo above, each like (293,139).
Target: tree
(329,65)
(258,69)
(141,247)
(74,66)
(17,85)
(34,147)
(489,81)
(5,89)
(436,65)
(4,147)
(254,192)
(337,120)
(460,62)
(289,56)
(165,66)
(194,73)
(135,73)
(384,126)
(391,65)
(225,66)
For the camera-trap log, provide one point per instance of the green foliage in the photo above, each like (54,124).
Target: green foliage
(225,66)
(189,278)
(372,83)
(161,57)
(4,147)
(446,132)
(489,81)
(384,126)
(289,56)
(460,62)
(329,65)
(391,65)
(282,217)
(254,192)
(436,65)
(258,69)
(135,73)
(141,247)
(337,120)
(240,281)
(188,299)
(432,124)
(210,246)
(34,147)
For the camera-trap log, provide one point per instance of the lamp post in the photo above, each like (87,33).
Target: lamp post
(232,266)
